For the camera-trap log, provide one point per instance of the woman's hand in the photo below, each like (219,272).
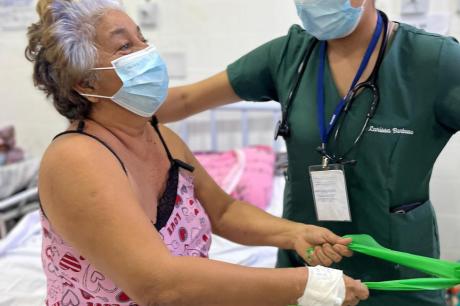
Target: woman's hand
(319,246)
(355,291)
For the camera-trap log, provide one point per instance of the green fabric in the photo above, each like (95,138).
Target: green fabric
(448,272)
(419,91)
(414,284)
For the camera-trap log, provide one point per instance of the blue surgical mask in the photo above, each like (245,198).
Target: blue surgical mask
(145,82)
(329,19)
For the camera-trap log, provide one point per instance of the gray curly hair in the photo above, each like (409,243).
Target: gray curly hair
(61,46)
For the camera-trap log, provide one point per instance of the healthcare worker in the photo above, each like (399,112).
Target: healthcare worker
(368,105)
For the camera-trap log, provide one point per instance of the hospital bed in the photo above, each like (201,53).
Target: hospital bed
(22,281)
(17,192)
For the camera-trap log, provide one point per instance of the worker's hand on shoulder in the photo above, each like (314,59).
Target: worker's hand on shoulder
(319,246)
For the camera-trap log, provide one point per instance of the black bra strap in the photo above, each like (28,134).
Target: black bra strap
(154,123)
(80,128)
(174,162)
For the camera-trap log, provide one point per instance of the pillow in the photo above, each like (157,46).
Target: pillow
(246,174)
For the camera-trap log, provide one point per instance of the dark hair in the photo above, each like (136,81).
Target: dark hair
(61,46)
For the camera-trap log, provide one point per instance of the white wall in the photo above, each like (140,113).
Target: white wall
(211,34)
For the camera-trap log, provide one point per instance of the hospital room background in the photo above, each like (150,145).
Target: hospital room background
(197,38)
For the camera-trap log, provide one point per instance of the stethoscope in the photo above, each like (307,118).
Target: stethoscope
(283,128)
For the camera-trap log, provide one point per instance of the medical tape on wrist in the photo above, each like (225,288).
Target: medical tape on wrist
(325,287)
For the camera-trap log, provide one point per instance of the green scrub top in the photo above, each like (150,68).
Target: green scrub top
(419,111)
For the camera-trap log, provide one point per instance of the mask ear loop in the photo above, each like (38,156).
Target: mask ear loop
(103,68)
(95,96)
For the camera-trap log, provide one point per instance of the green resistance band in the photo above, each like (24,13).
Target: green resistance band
(447,274)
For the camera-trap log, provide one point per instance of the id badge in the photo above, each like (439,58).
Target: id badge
(330,193)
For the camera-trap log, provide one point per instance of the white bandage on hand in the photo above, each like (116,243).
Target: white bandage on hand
(325,287)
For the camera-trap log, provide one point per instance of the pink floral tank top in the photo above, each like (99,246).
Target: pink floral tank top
(181,221)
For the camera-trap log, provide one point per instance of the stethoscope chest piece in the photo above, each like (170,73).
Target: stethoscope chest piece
(282,129)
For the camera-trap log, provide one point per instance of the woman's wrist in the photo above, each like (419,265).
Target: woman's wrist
(325,286)
(301,281)
(297,235)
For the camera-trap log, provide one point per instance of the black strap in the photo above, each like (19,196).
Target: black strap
(81,126)
(173,161)
(300,71)
(80,130)
(283,128)
(154,123)
(168,199)
(383,49)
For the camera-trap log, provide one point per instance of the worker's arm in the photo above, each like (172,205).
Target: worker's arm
(184,101)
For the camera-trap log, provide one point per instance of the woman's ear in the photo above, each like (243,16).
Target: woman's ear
(87,86)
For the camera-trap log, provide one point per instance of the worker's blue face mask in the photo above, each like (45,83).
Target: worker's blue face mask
(329,19)
(145,81)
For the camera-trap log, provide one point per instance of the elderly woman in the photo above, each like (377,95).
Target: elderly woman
(127,210)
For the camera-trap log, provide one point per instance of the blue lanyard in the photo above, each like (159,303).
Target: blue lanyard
(326,131)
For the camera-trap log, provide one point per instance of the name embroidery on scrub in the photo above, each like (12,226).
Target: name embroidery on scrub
(383,130)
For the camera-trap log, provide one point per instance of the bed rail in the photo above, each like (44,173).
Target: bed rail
(245,108)
(16,206)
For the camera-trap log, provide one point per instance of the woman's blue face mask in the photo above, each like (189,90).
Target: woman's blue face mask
(329,19)
(145,82)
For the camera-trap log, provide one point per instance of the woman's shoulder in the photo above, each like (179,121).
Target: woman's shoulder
(71,146)
(75,168)
(73,152)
